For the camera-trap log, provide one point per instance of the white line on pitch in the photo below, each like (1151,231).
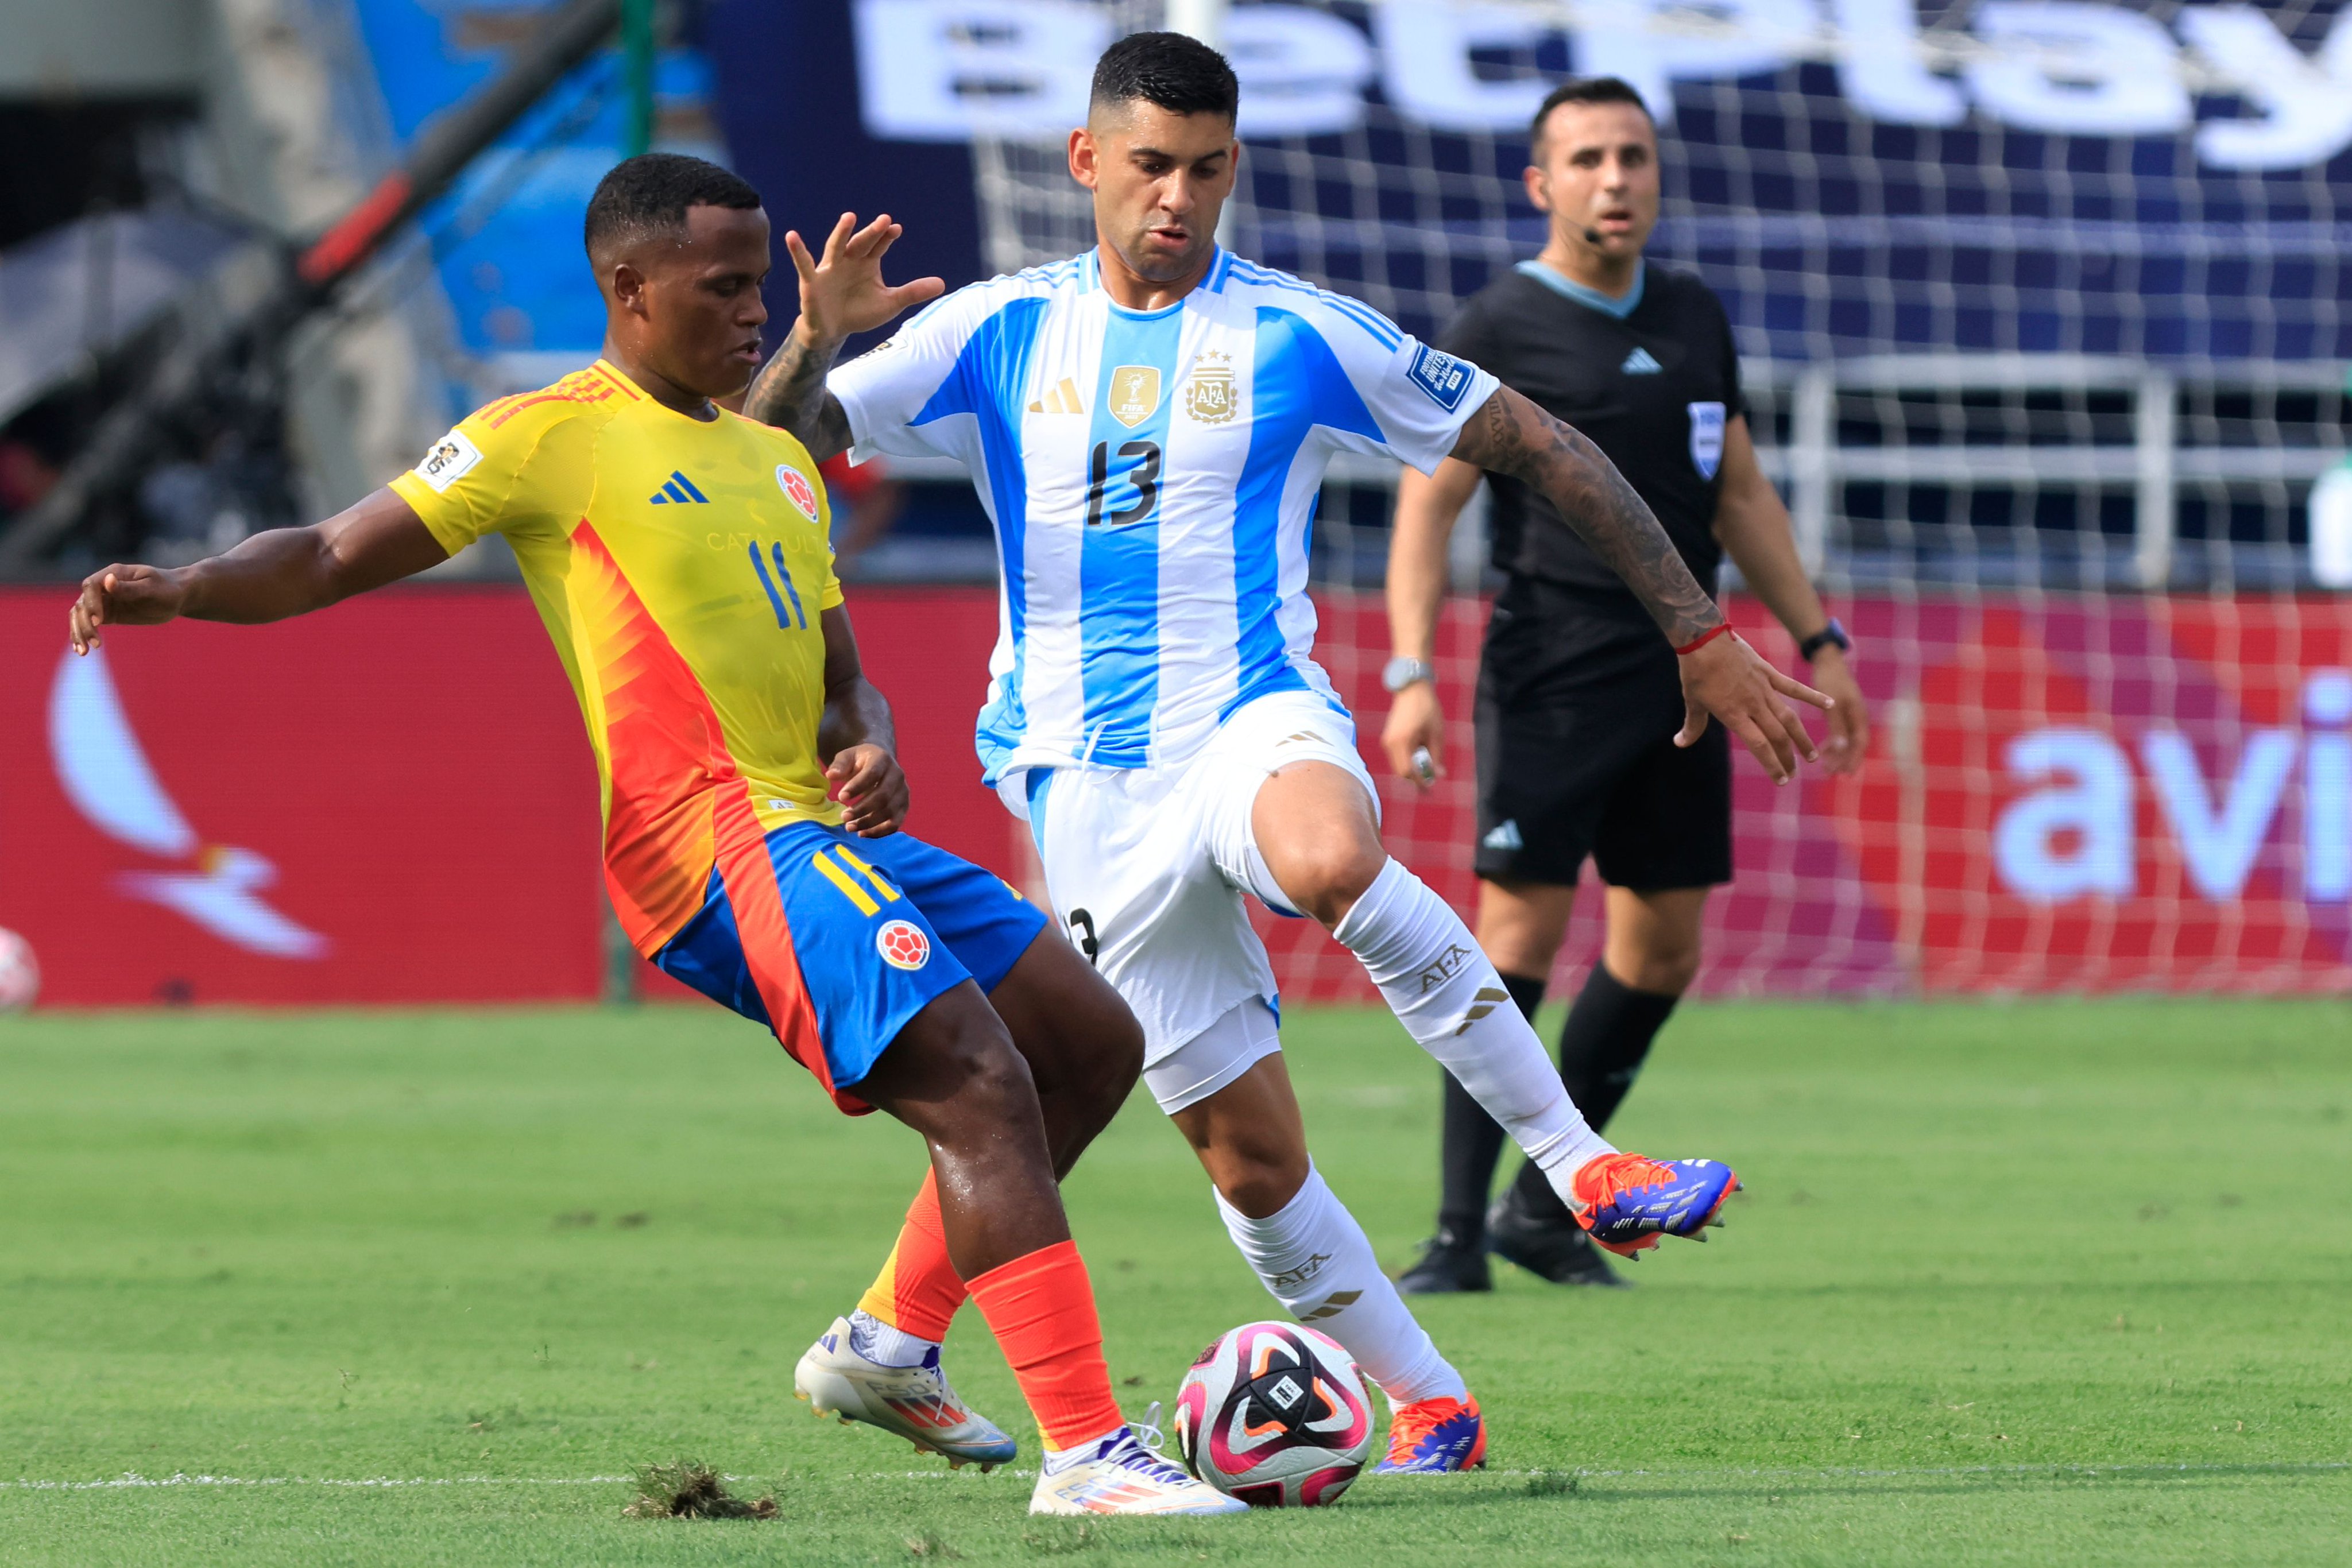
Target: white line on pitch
(2287,1467)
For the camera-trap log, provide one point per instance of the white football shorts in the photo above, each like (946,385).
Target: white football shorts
(1146,868)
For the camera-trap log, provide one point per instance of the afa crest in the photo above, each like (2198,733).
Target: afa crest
(1134,393)
(1208,395)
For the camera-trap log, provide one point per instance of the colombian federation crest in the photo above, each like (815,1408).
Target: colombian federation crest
(797,489)
(903,944)
(1134,393)
(1208,395)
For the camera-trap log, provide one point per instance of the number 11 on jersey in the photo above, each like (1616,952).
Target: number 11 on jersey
(783,575)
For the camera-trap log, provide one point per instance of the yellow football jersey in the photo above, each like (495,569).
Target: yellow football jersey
(681,567)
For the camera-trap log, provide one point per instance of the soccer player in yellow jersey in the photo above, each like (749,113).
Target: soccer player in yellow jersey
(677,552)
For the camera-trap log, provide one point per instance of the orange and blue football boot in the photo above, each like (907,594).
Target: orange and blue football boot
(1630,1201)
(1434,1437)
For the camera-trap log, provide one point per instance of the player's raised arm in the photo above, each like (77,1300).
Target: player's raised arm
(856,738)
(842,295)
(1721,674)
(269,577)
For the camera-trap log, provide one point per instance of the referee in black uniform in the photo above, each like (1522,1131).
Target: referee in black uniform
(1579,699)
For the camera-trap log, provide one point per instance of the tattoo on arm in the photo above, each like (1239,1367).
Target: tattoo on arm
(1512,436)
(789,392)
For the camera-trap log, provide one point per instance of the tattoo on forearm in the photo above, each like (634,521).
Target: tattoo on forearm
(789,392)
(1513,436)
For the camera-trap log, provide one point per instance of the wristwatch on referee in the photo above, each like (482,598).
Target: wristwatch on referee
(1825,637)
(1403,670)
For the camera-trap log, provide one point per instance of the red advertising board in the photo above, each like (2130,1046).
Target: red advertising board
(387,801)
(392,801)
(2063,794)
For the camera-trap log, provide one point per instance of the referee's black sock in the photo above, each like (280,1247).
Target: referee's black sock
(1601,1048)
(1471,1142)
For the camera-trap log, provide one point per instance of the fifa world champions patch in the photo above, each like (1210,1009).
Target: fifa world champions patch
(903,944)
(452,458)
(1441,375)
(797,489)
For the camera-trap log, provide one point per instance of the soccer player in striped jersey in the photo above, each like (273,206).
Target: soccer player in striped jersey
(1148,424)
(678,554)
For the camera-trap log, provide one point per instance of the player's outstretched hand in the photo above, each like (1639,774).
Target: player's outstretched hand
(1414,736)
(872,790)
(121,596)
(842,292)
(1726,677)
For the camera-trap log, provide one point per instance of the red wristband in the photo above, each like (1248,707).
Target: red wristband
(1703,639)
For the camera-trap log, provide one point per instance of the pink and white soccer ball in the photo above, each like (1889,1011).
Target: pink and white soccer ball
(20,973)
(1274,1414)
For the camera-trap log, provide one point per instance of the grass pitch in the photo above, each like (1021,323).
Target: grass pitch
(2029,1284)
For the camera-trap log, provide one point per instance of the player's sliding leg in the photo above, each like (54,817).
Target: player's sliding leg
(952,1075)
(1302,1241)
(1313,824)
(1083,1049)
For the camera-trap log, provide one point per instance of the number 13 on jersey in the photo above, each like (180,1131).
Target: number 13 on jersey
(1144,475)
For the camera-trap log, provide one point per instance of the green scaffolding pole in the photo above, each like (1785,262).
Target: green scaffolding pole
(637,74)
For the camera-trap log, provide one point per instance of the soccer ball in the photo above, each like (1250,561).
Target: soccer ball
(20,973)
(1274,1414)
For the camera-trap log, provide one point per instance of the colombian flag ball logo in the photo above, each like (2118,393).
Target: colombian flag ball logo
(903,944)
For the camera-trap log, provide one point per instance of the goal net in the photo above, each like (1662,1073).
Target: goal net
(2044,314)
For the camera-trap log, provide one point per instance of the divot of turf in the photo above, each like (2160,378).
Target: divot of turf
(1060,1540)
(1551,1483)
(687,1489)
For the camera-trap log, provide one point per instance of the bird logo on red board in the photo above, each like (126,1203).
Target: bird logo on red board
(797,489)
(106,773)
(903,944)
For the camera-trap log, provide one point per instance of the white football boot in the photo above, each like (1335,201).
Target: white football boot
(914,1402)
(1119,1474)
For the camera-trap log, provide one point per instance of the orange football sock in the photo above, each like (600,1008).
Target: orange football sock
(1041,1307)
(919,1290)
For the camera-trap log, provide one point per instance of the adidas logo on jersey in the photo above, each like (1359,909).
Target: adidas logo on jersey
(1506,837)
(1640,362)
(677,488)
(1063,399)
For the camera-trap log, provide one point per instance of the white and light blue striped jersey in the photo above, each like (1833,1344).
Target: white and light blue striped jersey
(1152,476)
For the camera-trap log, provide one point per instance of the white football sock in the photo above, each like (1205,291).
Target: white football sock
(884,1345)
(1316,1259)
(1450,1000)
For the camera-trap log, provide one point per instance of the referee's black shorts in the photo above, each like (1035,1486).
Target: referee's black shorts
(1579,702)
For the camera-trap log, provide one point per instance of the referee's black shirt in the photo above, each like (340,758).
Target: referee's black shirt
(1653,380)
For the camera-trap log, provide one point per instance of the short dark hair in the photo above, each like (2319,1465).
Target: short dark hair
(649,194)
(1180,74)
(1585,89)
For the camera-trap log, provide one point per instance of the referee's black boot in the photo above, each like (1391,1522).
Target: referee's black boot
(1553,1249)
(1449,1266)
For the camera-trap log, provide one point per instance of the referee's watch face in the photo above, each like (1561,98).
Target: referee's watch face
(1595,171)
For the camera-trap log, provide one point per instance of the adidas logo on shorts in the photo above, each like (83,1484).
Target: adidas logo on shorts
(1506,837)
